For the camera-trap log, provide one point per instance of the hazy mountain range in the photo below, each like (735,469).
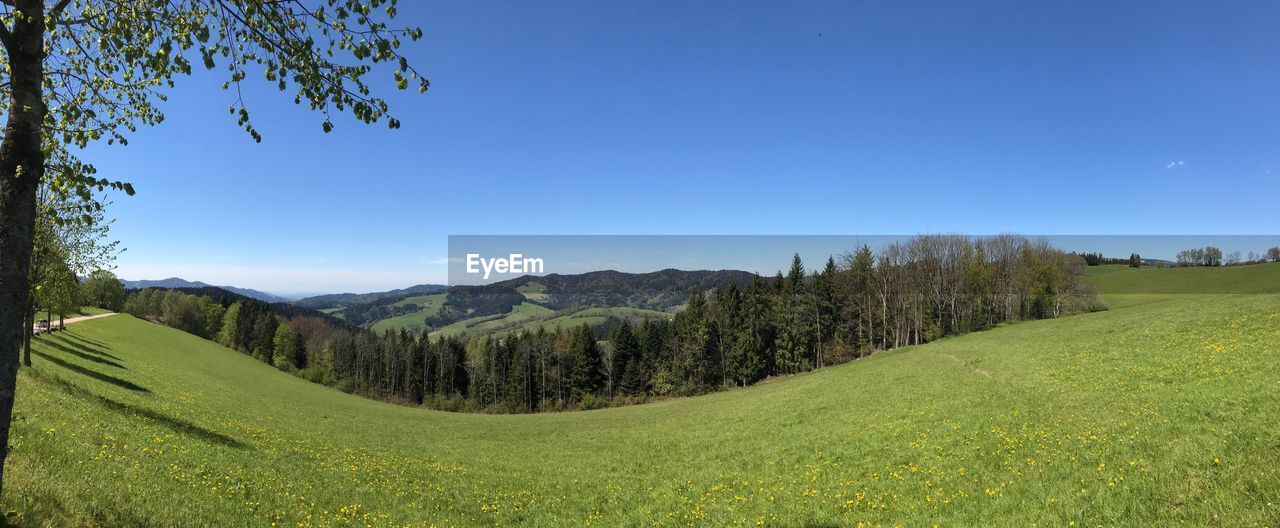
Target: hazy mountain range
(348,299)
(175,282)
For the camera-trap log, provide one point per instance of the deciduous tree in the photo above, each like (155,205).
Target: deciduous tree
(103,290)
(84,70)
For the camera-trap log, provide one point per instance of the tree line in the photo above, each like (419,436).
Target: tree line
(908,293)
(1096,259)
(70,237)
(1212,256)
(360,315)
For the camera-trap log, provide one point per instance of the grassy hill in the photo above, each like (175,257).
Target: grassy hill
(488,323)
(1136,283)
(528,315)
(428,305)
(1158,412)
(472,312)
(658,290)
(341,300)
(531,317)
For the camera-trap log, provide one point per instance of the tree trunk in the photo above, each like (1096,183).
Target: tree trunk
(21,168)
(28,321)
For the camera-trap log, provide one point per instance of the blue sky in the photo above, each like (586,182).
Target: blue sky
(724,118)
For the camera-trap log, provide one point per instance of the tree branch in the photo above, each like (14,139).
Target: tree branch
(57,8)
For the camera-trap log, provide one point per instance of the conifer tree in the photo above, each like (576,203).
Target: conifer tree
(586,377)
(626,351)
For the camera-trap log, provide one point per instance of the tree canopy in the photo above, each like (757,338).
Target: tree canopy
(82,71)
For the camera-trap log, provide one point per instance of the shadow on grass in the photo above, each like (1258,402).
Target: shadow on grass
(106,378)
(48,510)
(87,341)
(176,425)
(67,347)
(85,346)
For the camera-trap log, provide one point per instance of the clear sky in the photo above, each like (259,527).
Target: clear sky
(724,118)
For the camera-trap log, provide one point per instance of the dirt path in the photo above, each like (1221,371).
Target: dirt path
(77,319)
(70,320)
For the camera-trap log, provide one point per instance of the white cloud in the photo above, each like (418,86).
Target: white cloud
(1174,164)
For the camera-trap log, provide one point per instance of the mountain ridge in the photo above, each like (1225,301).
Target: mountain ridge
(178,282)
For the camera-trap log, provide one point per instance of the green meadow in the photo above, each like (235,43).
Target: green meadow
(428,305)
(1158,412)
(519,313)
(530,317)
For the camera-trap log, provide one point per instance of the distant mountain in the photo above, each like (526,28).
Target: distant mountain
(259,295)
(175,282)
(171,282)
(337,300)
(226,297)
(660,290)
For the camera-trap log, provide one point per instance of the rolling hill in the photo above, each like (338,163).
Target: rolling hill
(428,305)
(1253,278)
(1157,412)
(338,300)
(469,310)
(531,317)
(658,290)
(174,282)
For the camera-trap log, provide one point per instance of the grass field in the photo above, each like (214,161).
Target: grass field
(487,324)
(1159,412)
(534,291)
(428,305)
(590,316)
(531,317)
(1254,278)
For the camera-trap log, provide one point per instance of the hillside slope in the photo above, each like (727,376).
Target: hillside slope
(1123,280)
(464,309)
(337,300)
(177,283)
(1158,412)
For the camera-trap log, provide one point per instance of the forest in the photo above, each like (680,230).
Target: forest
(907,293)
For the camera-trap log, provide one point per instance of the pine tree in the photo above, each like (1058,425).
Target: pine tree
(795,322)
(861,296)
(626,352)
(753,343)
(585,377)
(824,309)
(795,277)
(692,364)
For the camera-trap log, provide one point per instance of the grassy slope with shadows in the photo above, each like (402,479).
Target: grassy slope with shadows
(1158,412)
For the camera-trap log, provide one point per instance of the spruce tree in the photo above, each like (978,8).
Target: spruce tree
(585,377)
(795,322)
(626,349)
